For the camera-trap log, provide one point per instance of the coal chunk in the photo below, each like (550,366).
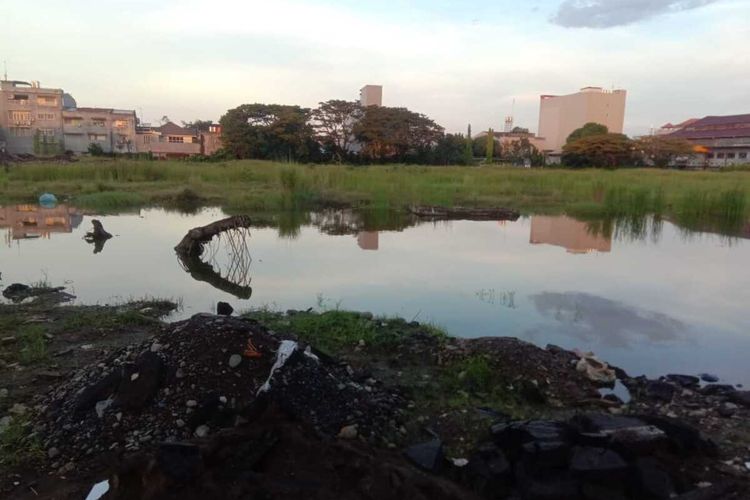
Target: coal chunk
(428,456)
(140,382)
(684,380)
(224,309)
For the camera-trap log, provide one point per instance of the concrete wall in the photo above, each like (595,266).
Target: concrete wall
(371,95)
(113,130)
(559,116)
(160,146)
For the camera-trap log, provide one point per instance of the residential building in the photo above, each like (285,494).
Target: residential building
(168,141)
(559,116)
(112,129)
(670,128)
(721,140)
(371,95)
(30,116)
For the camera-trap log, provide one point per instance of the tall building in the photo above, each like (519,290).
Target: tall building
(561,115)
(371,95)
(571,234)
(30,116)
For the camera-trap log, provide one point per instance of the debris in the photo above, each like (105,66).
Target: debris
(596,370)
(224,309)
(348,432)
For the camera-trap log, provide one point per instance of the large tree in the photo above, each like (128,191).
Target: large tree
(334,122)
(396,134)
(269,131)
(520,151)
(602,150)
(199,125)
(587,130)
(661,151)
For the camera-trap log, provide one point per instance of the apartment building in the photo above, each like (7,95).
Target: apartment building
(111,129)
(371,95)
(561,115)
(724,140)
(30,116)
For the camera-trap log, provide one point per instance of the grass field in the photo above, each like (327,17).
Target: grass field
(246,186)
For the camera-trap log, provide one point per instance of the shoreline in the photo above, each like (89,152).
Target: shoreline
(413,377)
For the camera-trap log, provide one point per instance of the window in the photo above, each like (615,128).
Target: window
(48,132)
(21,99)
(46,100)
(710,156)
(99,122)
(120,123)
(97,137)
(730,156)
(178,139)
(743,156)
(720,155)
(46,116)
(19,117)
(73,121)
(20,132)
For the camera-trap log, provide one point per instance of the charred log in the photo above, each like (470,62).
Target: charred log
(193,242)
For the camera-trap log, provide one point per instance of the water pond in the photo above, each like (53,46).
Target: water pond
(648,295)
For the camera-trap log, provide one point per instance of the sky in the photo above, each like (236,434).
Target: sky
(458,62)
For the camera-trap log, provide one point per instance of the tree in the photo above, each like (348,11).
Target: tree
(269,131)
(468,148)
(334,122)
(165,119)
(587,130)
(521,151)
(603,150)
(450,150)
(396,134)
(661,151)
(520,130)
(95,149)
(490,146)
(199,125)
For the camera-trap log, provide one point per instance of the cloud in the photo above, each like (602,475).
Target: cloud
(609,13)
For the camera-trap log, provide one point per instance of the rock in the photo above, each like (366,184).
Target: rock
(156,347)
(717,390)
(3,393)
(179,422)
(427,456)
(181,462)
(8,340)
(684,380)
(727,410)
(53,453)
(16,290)
(707,377)
(201,431)
(101,407)
(135,394)
(597,464)
(741,398)
(66,469)
(235,360)
(652,480)
(661,391)
(348,432)
(683,437)
(18,409)
(5,423)
(718,491)
(488,472)
(595,369)
(224,309)
(191,403)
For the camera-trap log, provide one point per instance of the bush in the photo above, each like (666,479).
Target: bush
(95,149)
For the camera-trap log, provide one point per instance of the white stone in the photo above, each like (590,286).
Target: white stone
(191,403)
(235,360)
(134,377)
(201,431)
(348,432)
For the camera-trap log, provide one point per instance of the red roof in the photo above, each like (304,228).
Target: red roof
(716,127)
(171,128)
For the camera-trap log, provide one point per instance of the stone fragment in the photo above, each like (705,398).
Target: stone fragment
(741,398)
(709,378)
(427,456)
(662,391)
(201,431)
(348,432)
(235,360)
(684,380)
(135,393)
(224,309)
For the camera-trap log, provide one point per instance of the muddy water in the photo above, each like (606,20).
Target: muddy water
(653,299)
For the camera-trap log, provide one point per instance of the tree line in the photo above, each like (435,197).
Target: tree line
(346,132)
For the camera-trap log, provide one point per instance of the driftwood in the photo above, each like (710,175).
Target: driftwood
(464,213)
(192,243)
(98,236)
(202,271)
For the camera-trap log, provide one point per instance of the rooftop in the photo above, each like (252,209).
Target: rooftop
(716,127)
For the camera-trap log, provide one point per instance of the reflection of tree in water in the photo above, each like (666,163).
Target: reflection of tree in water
(628,228)
(499,298)
(231,274)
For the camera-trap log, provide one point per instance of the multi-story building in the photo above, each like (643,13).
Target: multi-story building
(30,117)
(172,141)
(112,129)
(561,115)
(371,95)
(721,140)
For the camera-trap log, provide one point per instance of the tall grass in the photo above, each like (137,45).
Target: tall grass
(257,185)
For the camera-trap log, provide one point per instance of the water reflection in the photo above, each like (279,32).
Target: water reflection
(368,240)
(573,235)
(615,324)
(34,221)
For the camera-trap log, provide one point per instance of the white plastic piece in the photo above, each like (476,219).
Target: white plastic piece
(98,490)
(286,349)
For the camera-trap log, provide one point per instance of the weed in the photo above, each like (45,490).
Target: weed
(32,344)
(18,445)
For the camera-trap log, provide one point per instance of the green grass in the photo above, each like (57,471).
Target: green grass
(32,346)
(241,186)
(18,445)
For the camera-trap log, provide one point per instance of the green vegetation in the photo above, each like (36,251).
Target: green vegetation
(32,344)
(242,186)
(19,445)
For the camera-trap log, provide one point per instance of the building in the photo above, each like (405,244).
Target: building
(31,117)
(670,128)
(559,116)
(371,95)
(507,139)
(111,129)
(571,234)
(722,140)
(368,240)
(173,141)
(33,221)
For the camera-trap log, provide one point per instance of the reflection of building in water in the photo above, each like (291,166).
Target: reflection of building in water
(33,221)
(368,240)
(571,234)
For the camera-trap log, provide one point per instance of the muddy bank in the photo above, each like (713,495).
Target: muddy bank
(314,405)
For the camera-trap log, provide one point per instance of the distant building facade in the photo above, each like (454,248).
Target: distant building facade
(722,140)
(173,141)
(559,116)
(111,129)
(670,128)
(508,139)
(30,115)
(371,95)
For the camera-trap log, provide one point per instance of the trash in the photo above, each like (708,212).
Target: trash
(48,200)
(99,490)
(251,351)
(594,369)
(286,349)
